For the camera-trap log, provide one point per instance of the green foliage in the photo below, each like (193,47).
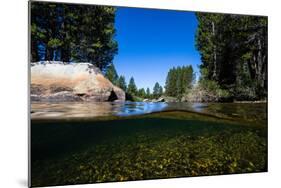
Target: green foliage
(133,98)
(148,94)
(160,91)
(122,83)
(179,80)
(157,90)
(135,94)
(233,49)
(206,90)
(213,90)
(132,88)
(82,33)
(141,93)
(54,43)
(112,75)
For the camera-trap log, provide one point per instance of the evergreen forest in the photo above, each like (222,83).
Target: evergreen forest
(233,50)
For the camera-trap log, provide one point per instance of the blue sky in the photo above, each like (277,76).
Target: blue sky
(153,41)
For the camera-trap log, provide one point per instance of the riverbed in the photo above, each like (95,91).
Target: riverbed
(76,143)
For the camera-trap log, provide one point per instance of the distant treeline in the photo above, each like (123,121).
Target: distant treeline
(73,32)
(179,81)
(233,52)
(131,89)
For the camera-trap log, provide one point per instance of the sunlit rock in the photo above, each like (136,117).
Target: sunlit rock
(58,81)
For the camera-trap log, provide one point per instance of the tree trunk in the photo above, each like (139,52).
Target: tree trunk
(65,54)
(214,53)
(34,55)
(260,62)
(49,54)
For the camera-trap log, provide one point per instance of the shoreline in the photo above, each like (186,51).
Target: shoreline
(257,102)
(87,102)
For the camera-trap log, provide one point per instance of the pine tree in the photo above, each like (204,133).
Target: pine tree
(171,81)
(141,93)
(71,32)
(122,83)
(179,80)
(233,49)
(111,74)
(148,93)
(160,91)
(157,90)
(132,88)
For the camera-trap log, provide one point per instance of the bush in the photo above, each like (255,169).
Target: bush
(206,91)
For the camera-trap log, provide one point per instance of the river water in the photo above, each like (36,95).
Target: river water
(246,111)
(77,143)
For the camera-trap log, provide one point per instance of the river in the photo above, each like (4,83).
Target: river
(74,143)
(246,111)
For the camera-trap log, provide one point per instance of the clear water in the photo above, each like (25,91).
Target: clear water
(252,111)
(76,143)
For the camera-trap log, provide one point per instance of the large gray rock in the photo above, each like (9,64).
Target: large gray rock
(171,99)
(160,99)
(61,82)
(145,100)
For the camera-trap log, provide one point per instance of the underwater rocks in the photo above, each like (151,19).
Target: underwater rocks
(53,81)
(149,156)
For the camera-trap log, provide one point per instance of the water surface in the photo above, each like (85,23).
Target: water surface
(247,111)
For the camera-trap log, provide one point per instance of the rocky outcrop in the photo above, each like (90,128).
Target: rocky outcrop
(160,99)
(63,82)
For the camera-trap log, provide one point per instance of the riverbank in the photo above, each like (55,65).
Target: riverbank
(260,101)
(174,99)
